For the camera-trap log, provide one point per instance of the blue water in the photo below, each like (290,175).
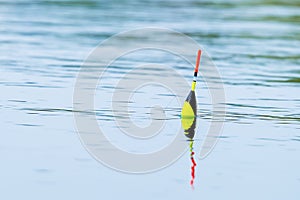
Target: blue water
(254,44)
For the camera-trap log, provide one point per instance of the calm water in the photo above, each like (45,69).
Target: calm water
(255,45)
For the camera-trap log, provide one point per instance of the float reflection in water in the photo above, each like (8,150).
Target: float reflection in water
(193,167)
(189,125)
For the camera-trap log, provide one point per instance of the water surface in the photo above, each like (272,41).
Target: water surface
(255,45)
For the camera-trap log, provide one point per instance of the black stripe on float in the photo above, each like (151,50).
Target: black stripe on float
(195,74)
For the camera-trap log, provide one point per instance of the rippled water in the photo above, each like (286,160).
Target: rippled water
(255,45)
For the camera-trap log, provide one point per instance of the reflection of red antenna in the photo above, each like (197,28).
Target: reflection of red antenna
(193,164)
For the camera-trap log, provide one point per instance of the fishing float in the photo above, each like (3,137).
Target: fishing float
(189,109)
